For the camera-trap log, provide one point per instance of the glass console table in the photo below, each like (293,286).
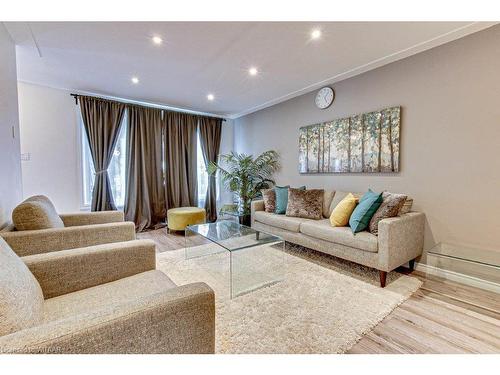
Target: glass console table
(483,264)
(255,258)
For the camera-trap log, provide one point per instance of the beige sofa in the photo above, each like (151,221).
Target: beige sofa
(101,299)
(80,230)
(400,239)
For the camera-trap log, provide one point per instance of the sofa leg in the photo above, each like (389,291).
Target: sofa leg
(412,265)
(383,277)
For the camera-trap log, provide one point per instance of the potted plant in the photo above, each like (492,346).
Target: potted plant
(245,176)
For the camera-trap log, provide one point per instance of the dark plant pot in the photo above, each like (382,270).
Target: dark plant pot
(245,220)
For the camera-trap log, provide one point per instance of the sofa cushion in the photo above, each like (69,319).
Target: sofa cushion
(342,212)
(364,211)
(280,221)
(341,235)
(305,203)
(327,201)
(21,298)
(106,295)
(269,198)
(36,213)
(339,195)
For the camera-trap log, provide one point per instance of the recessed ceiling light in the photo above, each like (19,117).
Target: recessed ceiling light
(157,40)
(135,80)
(210,97)
(316,34)
(253,71)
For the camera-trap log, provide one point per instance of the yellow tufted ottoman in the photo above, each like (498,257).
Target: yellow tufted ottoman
(180,218)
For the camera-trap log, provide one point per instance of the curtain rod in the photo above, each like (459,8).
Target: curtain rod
(77,95)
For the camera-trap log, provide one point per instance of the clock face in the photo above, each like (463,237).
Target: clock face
(324,97)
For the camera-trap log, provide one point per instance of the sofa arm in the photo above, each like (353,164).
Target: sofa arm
(400,239)
(256,205)
(30,242)
(89,218)
(67,271)
(178,320)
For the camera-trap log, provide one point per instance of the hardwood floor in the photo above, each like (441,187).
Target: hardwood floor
(441,317)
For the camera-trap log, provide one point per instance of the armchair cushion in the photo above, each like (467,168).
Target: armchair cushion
(62,272)
(106,295)
(21,298)
(178,320)
(32,242)
(36,213)
(91,218)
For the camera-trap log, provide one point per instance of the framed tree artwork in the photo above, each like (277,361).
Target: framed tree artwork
(363,143)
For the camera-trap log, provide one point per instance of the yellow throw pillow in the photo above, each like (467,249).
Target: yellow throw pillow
(342,212)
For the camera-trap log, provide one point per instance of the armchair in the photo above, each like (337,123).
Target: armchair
(42,230)
(102,299)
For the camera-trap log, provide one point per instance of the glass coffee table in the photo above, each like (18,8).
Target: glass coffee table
(256,258)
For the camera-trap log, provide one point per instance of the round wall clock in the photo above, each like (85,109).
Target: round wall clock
(324,97)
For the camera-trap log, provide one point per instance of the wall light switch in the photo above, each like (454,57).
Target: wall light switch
(26,156)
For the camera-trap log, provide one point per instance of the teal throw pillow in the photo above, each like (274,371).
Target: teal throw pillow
(282,198)
(366,208)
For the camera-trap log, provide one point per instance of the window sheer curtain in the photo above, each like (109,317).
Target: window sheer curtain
(210,129)
(145,203)
(101,119)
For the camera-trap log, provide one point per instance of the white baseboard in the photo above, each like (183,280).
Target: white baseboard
(458,277)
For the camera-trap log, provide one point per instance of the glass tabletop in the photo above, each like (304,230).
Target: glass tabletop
(232,236)
(481,256)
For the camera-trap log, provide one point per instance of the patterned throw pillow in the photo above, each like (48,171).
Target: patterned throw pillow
(390,207)
(269,196)
(282,198)
(406,207)
(305,203)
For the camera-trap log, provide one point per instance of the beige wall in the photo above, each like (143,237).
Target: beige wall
(49,134)
(450,141)
(10,159)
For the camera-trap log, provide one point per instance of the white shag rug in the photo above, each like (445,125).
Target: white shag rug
(323,305)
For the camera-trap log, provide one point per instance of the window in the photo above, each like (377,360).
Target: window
(116,170)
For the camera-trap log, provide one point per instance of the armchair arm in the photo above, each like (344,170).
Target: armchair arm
(29,242)
(256,205)
(89,218)
(401,239)
(67,271)
(179,320)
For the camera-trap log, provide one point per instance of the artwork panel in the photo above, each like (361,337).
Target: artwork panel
(386,157)
(396,130)
(303,150)
(328,151)
(371,142)
(356,144)
(339,144)
(313,149)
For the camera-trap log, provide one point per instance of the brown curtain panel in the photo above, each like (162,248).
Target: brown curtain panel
(210,134)
(101,119)
(180,159)
(145,196)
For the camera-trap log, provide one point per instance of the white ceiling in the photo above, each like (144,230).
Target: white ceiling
(197,58)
